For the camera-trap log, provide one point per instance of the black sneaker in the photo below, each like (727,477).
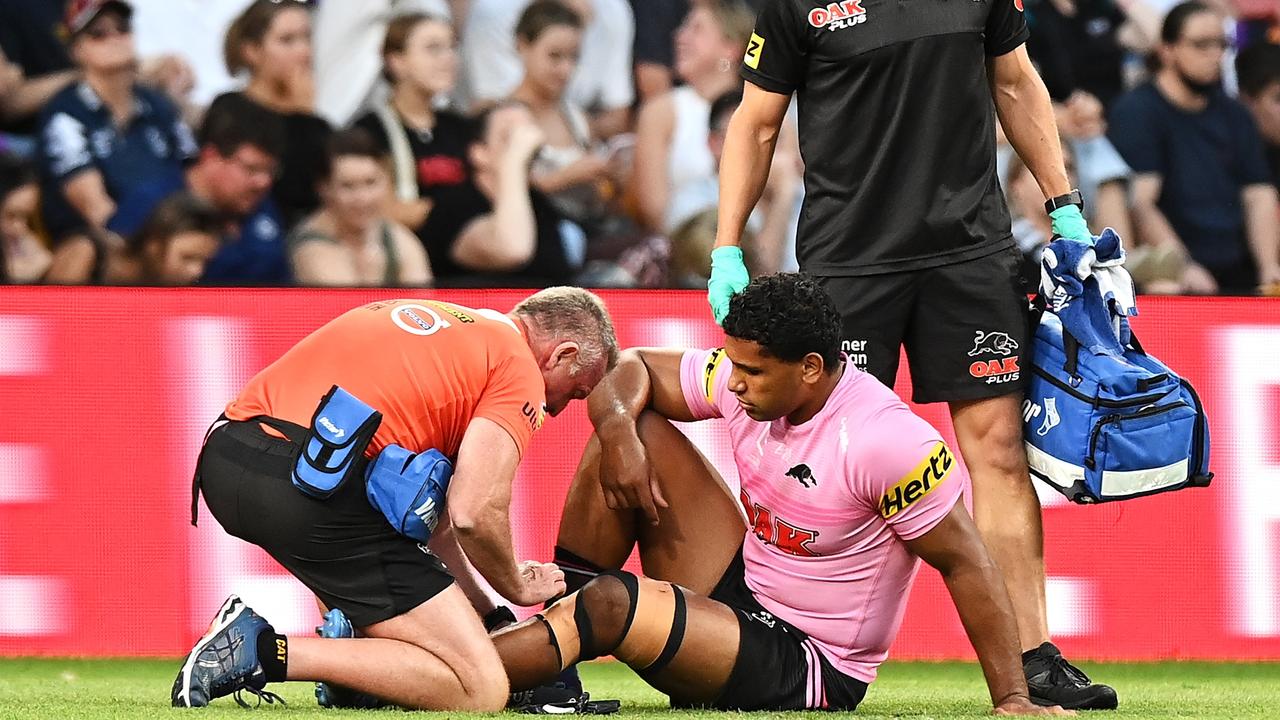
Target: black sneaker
(1054,681)
(557,699)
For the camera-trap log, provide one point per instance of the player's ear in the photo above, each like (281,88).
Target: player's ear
(812,368)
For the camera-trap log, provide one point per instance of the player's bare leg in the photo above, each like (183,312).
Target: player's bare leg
(697,534)
(436,656)
(687,653)
(1005,506)
(1007,513)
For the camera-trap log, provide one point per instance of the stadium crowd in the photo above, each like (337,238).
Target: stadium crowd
(530,143)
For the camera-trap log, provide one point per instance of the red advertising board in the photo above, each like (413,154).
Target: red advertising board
(105,394)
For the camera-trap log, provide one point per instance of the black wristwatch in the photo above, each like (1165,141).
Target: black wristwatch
(1072,198)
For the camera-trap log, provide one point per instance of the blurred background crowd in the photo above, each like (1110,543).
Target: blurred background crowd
(524,143)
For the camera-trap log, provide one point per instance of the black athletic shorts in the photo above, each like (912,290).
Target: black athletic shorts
(341,548)
(966,326)
(778,667)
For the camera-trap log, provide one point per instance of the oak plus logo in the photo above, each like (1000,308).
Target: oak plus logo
(838,15)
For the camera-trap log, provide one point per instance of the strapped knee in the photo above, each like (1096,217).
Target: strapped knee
(640,621)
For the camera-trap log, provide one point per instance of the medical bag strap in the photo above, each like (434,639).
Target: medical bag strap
(195,475)
(1071,347)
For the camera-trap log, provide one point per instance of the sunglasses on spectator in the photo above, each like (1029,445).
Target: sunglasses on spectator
(1214,43)
(103,31)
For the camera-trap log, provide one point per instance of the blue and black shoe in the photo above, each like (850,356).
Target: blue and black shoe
(337,625)
(225,660)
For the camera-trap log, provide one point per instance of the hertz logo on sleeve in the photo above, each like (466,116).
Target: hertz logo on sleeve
(754,48)
(709,374)
(919,482)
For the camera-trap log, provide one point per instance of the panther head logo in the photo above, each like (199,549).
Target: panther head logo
(804,475)
(997,343)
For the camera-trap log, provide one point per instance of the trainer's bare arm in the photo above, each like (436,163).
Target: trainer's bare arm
(644,379)
(955,549)
(479,502)
(1026,114)
(749,142)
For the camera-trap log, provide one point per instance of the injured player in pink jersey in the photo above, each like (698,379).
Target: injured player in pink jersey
(844,491)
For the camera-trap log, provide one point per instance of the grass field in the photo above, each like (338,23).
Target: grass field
(94,689)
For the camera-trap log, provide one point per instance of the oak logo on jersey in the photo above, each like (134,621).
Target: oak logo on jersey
(804,475)
(755,46)
(919,482)
(709,374)
(775,531)
(838,15)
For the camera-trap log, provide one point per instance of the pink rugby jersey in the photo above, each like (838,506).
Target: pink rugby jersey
(829,503)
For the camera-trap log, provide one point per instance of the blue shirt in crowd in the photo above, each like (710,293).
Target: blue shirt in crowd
(78,134)
(256,256)
(1205,159)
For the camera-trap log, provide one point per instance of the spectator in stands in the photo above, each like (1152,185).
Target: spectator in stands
(350,241)
(602,84)
(233,174)
(271,42)
(567,168)
(1075,46)
(1258,68)
(172,248)
(106,143)
(1202,182)
(23,258)
(654,48)
(346,38)
(672,154)
(496,230)
(239,159)
(428,146)
(34,66)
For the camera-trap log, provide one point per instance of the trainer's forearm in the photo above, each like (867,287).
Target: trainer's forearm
(977,589)
(744,168)
(486,541)
(1026,114)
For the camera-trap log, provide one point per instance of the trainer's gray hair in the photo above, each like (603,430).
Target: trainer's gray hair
(568,313)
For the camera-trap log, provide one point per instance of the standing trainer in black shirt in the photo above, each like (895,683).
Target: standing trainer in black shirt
(905,226)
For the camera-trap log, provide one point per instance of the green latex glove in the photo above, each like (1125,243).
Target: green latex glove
(728,277)
(1070,224)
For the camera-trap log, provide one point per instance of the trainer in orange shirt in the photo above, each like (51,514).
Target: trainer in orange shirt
(469,383)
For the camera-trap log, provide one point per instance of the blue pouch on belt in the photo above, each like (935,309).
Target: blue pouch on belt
(333,450)
(409,489)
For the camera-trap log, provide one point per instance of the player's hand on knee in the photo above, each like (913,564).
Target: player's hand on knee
(627,479)
(1023,706)
(539,582)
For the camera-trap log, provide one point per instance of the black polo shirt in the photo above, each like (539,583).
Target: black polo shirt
(896,126)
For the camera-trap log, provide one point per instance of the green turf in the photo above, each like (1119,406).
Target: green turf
(94,689)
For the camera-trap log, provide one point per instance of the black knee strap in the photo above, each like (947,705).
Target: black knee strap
(675,639)
(551,635)
(586,633)
(632,584)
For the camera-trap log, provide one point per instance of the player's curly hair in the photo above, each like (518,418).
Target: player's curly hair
(789,315)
